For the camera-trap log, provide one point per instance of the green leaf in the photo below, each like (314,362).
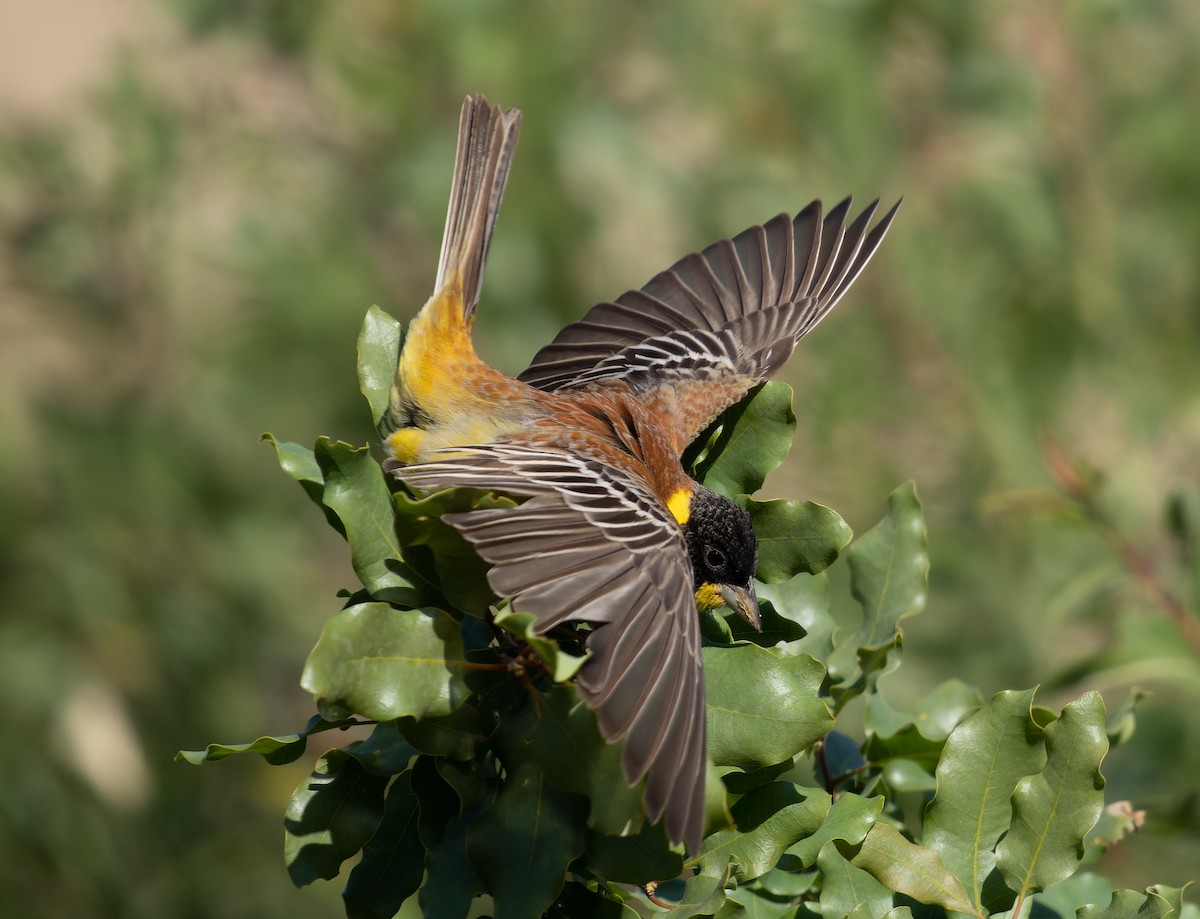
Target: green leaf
(300,463)
(455,735)
(769,819)
(749,903)
(804,600)
(1119,820)
(889,570)
(982,761)
(1079,890)
(749,440)
(849,820)
(568,746)
(847,889)
(907,868)
(763,706)
(1121,724)
(392,863)
(561,664)
(357,492)
(386,752)
(1054,809)
(378,353)
(637,859)
(275,750)
(330,817)
(384,663)
(795,537)
(1157,902)
(522,845)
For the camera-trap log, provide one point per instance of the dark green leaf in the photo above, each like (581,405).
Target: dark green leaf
(1054,809)
(455,735)
(378,352)
(750,724)
(439,801)
(575,758)
(749,903)
(751,438)
(392,863)
(357,492)
(907,868)
(452,882)
(795,537)
(522,845)
(637,859)
(384,663)
(386,752)
(983,760)
(330,817)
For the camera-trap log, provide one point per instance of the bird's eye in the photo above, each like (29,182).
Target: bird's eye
(714,557)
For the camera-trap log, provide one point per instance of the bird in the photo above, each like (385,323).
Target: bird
(610,530)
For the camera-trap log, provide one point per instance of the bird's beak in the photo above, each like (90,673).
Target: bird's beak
(743,602)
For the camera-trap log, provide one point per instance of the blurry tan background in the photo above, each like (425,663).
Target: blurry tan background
(200,198)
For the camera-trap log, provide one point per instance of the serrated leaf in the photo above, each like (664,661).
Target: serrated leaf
(384,663)
(981,763)
(848,821)
(908,868)
(889,569)
(568,746)
(330,817)
(848,890)
(1157,902)
(392,862)
(1054,809)
(522,845)
(357,492)
(795,537)
(769,819)
(763,706)
(749,440)
(378,353)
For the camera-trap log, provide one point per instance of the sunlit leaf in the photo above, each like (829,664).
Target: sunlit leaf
(983,760)
(751,438)
(378,352)
(763,707)
(769,819)
(848,821)
(795,537)
(1157,902)
(848,890)
(908,868)
(275,750)
(384,663)
(1054,809)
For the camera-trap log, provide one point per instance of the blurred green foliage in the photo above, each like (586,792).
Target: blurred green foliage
(185,255)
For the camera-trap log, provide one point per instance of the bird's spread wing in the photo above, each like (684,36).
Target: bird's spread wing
(720,320)
(592,544)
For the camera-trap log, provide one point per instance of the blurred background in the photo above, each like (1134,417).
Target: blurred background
(200,198)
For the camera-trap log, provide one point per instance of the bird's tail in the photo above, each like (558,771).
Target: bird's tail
(438,346)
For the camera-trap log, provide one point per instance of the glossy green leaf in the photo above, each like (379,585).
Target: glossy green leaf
(392,863)
(749,440)
(275,750)
(982,761)
(384,663)
(751,903)
(300,463)
(889,569)
(848,890)
(357,492)
(1054,809)
(1066,897)
(803,599)
(378,353)
(575,758)
(908,868)
(331,816)
(769,819)
(849,820)
(763,706)
(522,845)
(1157,902)
(795,537)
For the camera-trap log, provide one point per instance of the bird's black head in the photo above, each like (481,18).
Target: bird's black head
(723,552)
